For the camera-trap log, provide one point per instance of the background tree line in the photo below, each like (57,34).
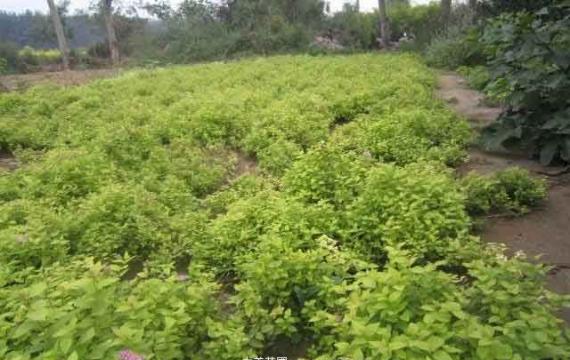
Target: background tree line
(201,30)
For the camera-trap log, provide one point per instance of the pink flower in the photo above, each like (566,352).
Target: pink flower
(129,355)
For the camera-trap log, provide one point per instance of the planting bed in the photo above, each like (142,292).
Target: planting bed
(314,200)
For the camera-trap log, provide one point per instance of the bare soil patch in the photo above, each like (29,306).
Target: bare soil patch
(544,234)
(7,161)
(467,102)
(485,163)
(62,78)
(245,164)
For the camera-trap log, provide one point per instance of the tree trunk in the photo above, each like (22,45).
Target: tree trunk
(473,4)
(446,10)
(384,27)
(111,36)
(61,41)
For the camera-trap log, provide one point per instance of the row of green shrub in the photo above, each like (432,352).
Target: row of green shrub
(351,236)
(24,60)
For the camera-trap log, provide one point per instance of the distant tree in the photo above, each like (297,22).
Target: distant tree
(446,10)
(106,7)
(35,29)
(251,14)
(302,11)
(159,8)
(60,34)
(41,31)
(496,7)
(384,26)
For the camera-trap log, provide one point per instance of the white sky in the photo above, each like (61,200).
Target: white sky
(41,5)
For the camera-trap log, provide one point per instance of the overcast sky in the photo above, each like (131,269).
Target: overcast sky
(41,5)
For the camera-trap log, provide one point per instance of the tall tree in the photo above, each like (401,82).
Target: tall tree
(107,10)
(446,10)
(60,34)
(384,26)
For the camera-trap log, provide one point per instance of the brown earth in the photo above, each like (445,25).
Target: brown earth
(63,78)
(245,164)
(7,161)
(467,102)
(545,232)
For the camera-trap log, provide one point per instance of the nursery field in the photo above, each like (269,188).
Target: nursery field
(259,208)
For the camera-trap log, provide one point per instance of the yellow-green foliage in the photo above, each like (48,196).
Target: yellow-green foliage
(351,234)
(39,56)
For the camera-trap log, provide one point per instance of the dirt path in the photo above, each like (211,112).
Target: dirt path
(7,162)
(73,77)
(544,232)
(467,102)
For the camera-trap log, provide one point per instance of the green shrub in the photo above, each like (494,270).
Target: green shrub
(32,234)
(202,30)
(455,47)
(9,55)
(522,189)
(529,68)
(328,175)
(497,7)
(279,156)
(83,310)
(405,137)
(173,192)
(416,207)
(418,311)
(243,187)
(117,220)
(281,280)
(38,57)
(201,170)
(152,164)
(478,76)
(353,29)
(3,66)
(66,176)
(422,22)
(513,190)
(238,232)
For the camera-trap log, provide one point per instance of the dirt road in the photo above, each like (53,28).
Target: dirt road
(545,232)
(73,77)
